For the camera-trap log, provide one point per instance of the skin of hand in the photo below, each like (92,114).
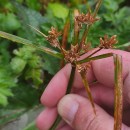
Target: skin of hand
(75,109)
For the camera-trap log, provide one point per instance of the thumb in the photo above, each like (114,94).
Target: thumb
(78,113)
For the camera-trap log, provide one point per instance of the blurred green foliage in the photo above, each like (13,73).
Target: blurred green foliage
(24,72)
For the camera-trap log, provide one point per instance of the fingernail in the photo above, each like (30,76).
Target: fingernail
(68,108)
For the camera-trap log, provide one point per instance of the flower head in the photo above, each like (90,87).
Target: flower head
(53,32)
(83,68)
(107,43)
(86,18)
(53,41)
(72,55)
(53,37)
(86,47)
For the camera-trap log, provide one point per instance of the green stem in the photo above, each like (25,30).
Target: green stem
(55,124)
(69,87)
(87,88)
(97,8)
(89,26)
(71,79)
(85,33)
(84,37)
(76,28)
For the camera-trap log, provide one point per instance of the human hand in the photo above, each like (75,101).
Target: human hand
(75,109)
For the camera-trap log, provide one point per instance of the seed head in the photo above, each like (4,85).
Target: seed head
(86,19)
(72,55)
(54,32)
(53,37)
(74,48)
(107,43)
(86,47)
(83,68)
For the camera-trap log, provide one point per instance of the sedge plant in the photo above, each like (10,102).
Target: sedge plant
(73,55)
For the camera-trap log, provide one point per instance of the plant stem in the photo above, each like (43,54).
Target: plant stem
(85,33)
(71,79)
(65,37)
(65,33)
(87,88)
(55,124)
(69,87)
(94,52)
(76,28)
(97,8)
(88,26)
(84,36)
(118,107)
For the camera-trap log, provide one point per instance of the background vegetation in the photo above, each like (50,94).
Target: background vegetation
(24,71)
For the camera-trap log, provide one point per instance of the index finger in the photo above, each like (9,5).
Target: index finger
(101,70)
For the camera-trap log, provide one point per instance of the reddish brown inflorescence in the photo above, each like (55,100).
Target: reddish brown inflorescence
(72,55)
(86,19)
(53,37)
(107,42)
(83,68)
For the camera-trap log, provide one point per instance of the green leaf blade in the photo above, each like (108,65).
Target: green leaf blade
(56,10)
(87,59)
(29,43)
(3,100)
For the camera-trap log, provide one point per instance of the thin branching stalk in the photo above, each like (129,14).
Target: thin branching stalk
(76,27)
(85,34)
(65,37)
(94,52)
(71,79)
(97,8)
(45,36)
(65,33)
(55,124)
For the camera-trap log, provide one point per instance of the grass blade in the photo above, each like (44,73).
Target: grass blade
(38,31)
(123,45)
(87,59)
(29,43)
(118,93)
(86,85)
